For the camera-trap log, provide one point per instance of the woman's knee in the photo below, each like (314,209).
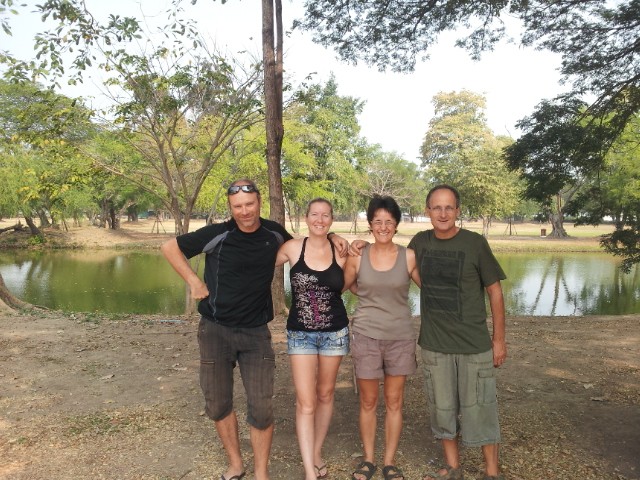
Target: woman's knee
(393,403)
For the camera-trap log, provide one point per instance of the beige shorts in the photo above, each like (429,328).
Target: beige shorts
(378,358)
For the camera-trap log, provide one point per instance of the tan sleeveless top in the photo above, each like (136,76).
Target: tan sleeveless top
(383,300)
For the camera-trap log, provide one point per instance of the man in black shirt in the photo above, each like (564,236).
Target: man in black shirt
(236,305)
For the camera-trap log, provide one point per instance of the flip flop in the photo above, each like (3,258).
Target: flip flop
(235,477)
(319,470)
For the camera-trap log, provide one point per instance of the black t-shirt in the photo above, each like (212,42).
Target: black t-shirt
(238,270)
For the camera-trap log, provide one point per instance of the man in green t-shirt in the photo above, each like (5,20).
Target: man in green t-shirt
(459,355)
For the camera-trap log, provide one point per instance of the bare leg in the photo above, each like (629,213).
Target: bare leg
(369,390)
(451,455)
(303,369)
(261,444)
(228,432)
(393,399)
(325,392)
(490,453)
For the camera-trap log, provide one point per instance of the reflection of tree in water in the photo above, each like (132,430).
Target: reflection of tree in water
(559,285)
(618,297)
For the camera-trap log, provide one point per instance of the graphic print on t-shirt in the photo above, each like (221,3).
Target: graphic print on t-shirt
(441,273)
(312,302)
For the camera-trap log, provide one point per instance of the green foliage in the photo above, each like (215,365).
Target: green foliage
(615,194)
(319,148)
(459,149)
(180,119)
(557,149)
(385,173)
(36,240)
(566,139)
(179,106)
(392,34)
(40,137)
(596,39)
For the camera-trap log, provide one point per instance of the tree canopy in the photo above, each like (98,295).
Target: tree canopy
(460,149)
(566,138)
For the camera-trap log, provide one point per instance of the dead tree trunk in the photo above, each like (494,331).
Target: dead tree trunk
(8,302)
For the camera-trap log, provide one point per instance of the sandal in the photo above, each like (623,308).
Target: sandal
(493,477)
(391,471)
(450,474)
(235,477)
(360,470)
(319,470)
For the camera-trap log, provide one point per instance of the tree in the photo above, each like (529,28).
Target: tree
(40,137)
(597,40)
(387,173)
(460,149)
(320,148)
(183,111)
(615,195)
(556,155)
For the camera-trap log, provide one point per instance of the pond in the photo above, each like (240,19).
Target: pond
(142,282)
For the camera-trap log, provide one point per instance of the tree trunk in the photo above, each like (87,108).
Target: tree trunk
(44,220)
(557,226)
(7,301)
(32,226)
(104,214)
(486,223)
(114,219)
(354,224)
(18,227)
(557,220)
(272,60)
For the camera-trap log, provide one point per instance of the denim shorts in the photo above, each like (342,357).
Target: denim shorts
(462,396)
(374,358)
(221,348)
(330,344)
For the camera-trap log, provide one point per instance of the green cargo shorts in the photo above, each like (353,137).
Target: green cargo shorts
(462,396)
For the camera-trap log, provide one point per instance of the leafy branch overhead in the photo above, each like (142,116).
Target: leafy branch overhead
(566,141)
(597,41)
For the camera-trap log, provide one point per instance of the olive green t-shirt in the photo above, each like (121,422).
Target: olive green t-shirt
(454,274)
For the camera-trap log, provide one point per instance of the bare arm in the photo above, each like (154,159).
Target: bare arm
(414,273)
(496,302)
(357,246)
(282,256)
(177,260)
(289,251)
(351,274)
(341,244)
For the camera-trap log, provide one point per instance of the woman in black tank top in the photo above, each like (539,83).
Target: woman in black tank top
(317,331)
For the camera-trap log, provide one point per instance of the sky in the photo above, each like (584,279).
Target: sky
(397,107)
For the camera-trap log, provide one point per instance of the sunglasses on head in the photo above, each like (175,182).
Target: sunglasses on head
(233,189)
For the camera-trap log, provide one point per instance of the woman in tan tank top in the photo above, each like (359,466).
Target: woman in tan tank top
(383,335)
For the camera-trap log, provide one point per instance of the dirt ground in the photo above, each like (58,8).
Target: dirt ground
(116,396)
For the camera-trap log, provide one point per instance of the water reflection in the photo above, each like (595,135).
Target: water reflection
(569,284)
(103,281)
(143,282)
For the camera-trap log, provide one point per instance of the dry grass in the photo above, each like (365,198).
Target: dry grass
(521,237)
